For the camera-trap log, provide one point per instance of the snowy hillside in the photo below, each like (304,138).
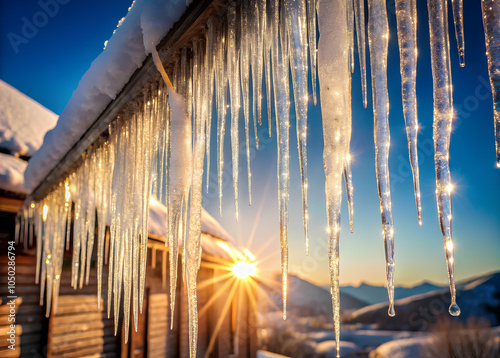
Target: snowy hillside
(306,298)
(23,121)
(479,297)
(377,294)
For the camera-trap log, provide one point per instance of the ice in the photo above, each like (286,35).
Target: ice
(311,31)
(406,15)
(245,83)
(211,56)
(378,36)
(233,76)
(282,105)
(458,18)
(334,79)
(179,180)
(491,14)
(359,14)
(349,191)
(193,248)
(296,28)
(443,117)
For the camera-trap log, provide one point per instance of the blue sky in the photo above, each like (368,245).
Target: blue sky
(48,64)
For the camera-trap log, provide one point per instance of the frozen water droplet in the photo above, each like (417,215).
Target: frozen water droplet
(454,310)
(391,311)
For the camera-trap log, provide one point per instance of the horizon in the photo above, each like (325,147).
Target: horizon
(48,71)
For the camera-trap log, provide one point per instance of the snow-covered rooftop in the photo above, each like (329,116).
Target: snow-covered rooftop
(23,121)
(12,173)
(146,23)
(219,243)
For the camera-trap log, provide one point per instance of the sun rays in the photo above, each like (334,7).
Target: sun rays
(237,279)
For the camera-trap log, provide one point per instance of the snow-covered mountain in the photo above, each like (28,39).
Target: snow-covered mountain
(377,294)
(478,297)
(307,299)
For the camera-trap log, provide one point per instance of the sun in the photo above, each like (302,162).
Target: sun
(244,269)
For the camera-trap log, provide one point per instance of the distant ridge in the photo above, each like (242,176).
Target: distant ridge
(308,299)
(477,297)
(377,294)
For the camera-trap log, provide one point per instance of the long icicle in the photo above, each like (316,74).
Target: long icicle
(334,79)
(406,15)
(491,23)
(193,250)
(281,95)
(210,56)
(458,19)
(349,190)
(233,76)
(296,27)
(378,37)
(245,89)
(359,14)
(443,117)
(311,31)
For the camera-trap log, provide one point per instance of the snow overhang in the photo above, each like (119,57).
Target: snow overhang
(42,175)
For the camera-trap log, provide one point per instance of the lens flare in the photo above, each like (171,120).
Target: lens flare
(244,269)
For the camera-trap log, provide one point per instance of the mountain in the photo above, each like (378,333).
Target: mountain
(307,299)
(478,297)
(377,294)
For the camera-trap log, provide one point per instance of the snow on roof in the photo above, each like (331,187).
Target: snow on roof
(219,243)
(23,121)
(12,173)
(146,23)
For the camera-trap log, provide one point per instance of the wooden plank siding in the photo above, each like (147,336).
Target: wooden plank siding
(29,315)
(78,328)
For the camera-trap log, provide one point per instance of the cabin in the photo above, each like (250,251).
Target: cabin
(77,327)
(73,324)
(23,123)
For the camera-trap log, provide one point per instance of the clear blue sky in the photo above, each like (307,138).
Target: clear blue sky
(49,64)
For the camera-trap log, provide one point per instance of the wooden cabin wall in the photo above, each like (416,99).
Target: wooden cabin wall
(78,328)
(29,315)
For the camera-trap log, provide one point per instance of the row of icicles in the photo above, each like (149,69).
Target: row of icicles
(263,40)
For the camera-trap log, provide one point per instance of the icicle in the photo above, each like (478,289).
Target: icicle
(233,76)
(378,35)
(296,28)
(210,57)
(267,64)
(359,14)
(443,116)
(458,18)
(334,80)
(245,90)
(220,84)
(491,16)
(406,14)
(281,98)
(349,190)
(350,33)
(311,30)
(256,56)
(192,248)
(179,179)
